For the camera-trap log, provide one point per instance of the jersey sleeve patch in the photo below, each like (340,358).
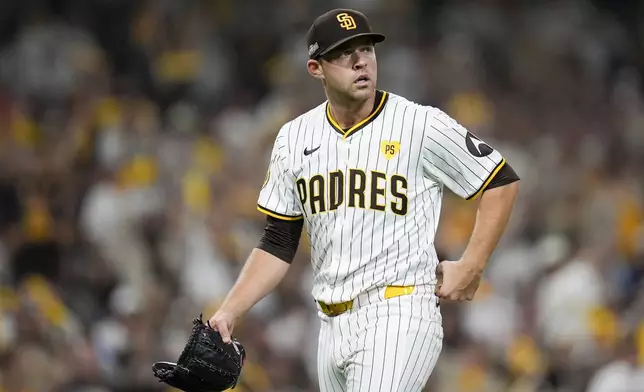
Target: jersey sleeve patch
(456,157)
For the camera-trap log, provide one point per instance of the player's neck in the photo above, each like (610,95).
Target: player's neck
(349,113)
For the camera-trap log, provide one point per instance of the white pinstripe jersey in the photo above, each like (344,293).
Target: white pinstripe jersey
(371,195)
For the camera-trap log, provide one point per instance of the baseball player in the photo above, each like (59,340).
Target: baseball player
(365,173)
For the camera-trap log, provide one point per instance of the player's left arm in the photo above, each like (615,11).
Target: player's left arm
(472,169)
(460,280)
(494,210)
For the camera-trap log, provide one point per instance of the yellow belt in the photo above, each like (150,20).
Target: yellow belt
(333,310)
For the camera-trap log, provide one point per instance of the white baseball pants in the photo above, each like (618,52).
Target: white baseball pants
(381,345)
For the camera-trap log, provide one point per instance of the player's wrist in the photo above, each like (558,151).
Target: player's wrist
(234,311)
(474,264)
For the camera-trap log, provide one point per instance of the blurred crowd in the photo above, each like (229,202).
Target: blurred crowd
(134,137)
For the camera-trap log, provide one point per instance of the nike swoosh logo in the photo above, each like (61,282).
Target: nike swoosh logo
(309,152)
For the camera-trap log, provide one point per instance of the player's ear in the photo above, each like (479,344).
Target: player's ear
(315,69)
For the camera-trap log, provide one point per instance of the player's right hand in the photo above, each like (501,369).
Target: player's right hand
(224,322)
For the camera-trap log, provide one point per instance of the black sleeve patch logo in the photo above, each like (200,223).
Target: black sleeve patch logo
(476,146)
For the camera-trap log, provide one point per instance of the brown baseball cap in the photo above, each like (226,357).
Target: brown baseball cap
(336,27)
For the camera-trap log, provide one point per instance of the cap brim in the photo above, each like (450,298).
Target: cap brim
(376,39)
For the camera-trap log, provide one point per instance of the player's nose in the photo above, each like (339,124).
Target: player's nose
(360,62)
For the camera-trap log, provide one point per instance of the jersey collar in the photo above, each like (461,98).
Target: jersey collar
(378,106)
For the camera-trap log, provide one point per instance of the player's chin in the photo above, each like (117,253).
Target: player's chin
(361,92)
